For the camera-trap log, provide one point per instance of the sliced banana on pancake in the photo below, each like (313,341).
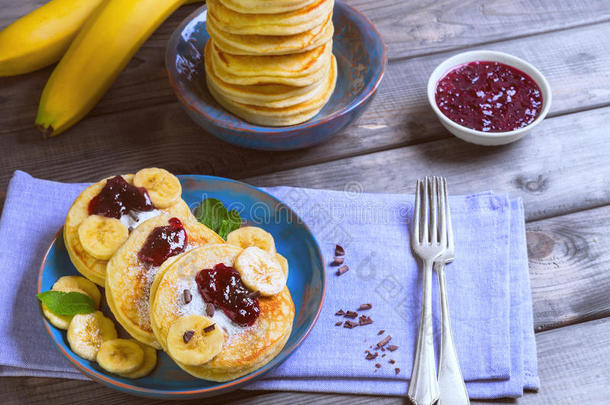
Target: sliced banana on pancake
(194,340)
(149,363)
(163,187)
(120,356)
(75,283)
(87,332)
(252,236)
(260,271)
(102,236)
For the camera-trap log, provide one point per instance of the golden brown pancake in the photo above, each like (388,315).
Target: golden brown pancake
(265,6)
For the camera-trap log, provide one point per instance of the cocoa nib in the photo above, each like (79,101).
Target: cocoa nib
(339,251)
(209,309)
(365,320)
(365,307)
(188,335)
(337,261)
(187,296)
(351,314)
(340,312)
(210,328)
(350,324)
(384,341)
(392,347)
(342,270)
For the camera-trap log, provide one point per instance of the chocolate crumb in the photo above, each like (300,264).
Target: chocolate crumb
(209,309)
(392,347)
(378,365)
(365,320)
(392,361)
(350,324)
(210,328)
(370,356)
(380,332)
(342,270)
(382,349)
(339,323)
(365,307)
(383,355)
(384,341)
(397,370)
(340,312)
(351,314)
(187,296)
(339,251)
(188,335)
(337,261)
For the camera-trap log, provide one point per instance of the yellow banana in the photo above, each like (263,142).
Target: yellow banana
(40,38)
(100,51)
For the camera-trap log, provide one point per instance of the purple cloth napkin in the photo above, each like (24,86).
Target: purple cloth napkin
(488,288)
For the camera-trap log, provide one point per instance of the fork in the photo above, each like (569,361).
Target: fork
(428,241)
(450,381)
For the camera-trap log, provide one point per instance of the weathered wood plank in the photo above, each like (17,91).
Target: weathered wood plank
(572,365)
(562,167)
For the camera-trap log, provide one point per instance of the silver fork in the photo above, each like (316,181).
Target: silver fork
(450,380)
(428,241)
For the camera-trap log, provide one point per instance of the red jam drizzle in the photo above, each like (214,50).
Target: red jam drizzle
(222,286)
(164,242)
(489,97)
(118,198)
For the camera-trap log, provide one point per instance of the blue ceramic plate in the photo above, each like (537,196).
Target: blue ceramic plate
(361,59)
(306,281)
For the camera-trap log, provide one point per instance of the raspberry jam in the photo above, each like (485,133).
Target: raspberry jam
(222,286)
(118,198)
(489,97)
(163,243)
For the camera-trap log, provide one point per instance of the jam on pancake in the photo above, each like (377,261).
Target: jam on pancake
(164,242)
(222,286)
(118,198)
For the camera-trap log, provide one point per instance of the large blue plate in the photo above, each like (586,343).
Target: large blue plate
(361,59)
(306,281)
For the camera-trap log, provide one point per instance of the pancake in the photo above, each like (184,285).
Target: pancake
(301,69)
(236,44)
(246,348)
(128,280)
(266,6)
(267,116)
(90,267)
(290,23)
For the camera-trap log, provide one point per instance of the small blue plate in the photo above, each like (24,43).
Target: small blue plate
(306,281)
(361,59)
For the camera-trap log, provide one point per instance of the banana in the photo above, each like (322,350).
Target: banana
(120,356)
(59,321)
(188,342)
(102,236)
(252,236)
(40,38)
(79,283)
(163,187)
(100,51)
(149,363)
(283,262)
(87,332)
(260,271)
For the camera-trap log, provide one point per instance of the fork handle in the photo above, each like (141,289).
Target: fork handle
(450,380)
(423,386)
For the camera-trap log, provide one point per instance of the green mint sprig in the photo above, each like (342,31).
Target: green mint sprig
(213,214)
(70,303)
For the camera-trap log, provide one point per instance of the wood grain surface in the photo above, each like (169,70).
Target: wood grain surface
(561,170)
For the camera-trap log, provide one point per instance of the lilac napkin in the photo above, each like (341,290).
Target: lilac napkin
(489,294)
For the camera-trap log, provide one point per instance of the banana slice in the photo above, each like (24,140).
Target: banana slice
(252,236)
(59,321)
(283,262)
(149,363)
(70,283)
(87,332)
(260,271)
(188,342)
(102,236)
(120,356)
(163,187)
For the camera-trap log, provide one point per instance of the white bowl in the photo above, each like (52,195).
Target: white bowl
(480,137)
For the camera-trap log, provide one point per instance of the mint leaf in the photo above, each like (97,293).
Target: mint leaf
(71,303)
(213,214)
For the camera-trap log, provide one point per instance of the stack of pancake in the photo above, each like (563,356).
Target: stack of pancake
(270,62)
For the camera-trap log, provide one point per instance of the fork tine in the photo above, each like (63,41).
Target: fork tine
(425,208)
(416,212)
(448,217)
(442,198)
(434,207)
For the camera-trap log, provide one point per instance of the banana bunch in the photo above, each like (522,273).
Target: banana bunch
(93,40)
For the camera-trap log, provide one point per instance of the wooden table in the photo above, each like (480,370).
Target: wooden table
(561,170)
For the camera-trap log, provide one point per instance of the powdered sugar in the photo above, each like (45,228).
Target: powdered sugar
(134,218)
